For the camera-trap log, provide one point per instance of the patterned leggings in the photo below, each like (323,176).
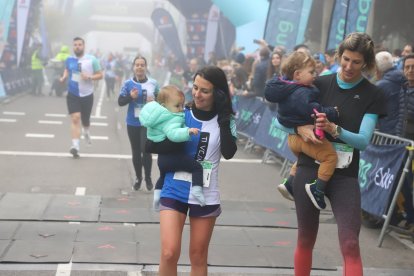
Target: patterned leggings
(344,195)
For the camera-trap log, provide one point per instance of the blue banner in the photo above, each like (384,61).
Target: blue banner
(6,8)
(271,137)
(286,22)
(350,13)
(164,23)
(379,170)
(249,115)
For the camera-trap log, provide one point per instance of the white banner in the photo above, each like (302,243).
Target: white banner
(212,31)
(23,7)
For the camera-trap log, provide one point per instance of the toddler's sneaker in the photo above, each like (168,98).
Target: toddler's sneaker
(286,189)
(317,197)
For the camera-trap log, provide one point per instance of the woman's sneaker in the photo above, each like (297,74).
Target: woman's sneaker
(316,196)
(286,189)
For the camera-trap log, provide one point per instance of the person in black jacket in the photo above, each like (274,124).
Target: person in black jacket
(390,80)
(298,100)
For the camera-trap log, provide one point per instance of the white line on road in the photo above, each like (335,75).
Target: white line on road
(107,156)
(45,122)
(14,113)
(99,138)
(39,135)
(64,269)
(80,191)
(55,115)
(100,101)
(98,124)
(8,120)
(100,117)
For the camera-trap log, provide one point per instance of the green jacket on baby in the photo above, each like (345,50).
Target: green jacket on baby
(162,123)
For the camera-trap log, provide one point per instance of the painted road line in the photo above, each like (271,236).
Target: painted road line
(98,124)
(45,122)
(39,135)
(99,138)
(80,191)
(100,117)
(64,269)
(107,156)
(14,113)
(100,101)
(55,115)
(8,120)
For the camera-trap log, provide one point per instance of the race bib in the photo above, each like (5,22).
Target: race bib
(137,110)
(76,77)
(345,153)
(186,176)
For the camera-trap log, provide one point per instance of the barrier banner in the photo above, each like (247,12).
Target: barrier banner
(16,80)
(249,115)
(271,137)
(379,169)
(286,22)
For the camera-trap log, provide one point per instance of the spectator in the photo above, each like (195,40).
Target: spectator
(260,73)
(407,50)
(331,60)
(274,66)
(390,80)
(321,68)
(405,128)
(37,66)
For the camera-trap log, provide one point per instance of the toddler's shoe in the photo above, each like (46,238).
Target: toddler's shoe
(285,188)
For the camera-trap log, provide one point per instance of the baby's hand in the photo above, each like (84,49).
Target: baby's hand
(193,131)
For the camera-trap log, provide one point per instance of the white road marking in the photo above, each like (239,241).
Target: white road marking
(39,135)
(107,156)
(80,191)
(14,113)
(99,138)
(100,117)
(55,115)
(45,122)
(8,120)
(98,124)
(64,269)
(100,101)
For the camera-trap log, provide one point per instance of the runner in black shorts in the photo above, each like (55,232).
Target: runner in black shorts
(81,71)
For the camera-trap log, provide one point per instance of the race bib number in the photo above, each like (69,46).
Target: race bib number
(345,154)
(76,77)
(137,110)
(186,176)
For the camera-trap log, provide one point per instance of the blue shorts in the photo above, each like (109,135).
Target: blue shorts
(193,210)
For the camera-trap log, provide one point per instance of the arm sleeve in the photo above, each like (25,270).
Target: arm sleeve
(228,145)
(361,139)
(124,97)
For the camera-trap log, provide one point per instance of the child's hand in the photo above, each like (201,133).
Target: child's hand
(134,93)
(193,131)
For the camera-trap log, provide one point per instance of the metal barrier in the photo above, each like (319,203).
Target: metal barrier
(380,138)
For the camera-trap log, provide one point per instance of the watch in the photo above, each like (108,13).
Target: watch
(337,132)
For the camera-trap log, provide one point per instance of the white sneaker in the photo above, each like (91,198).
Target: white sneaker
(87,138)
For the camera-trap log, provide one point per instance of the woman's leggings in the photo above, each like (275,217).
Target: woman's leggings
(137,137)
(344,195)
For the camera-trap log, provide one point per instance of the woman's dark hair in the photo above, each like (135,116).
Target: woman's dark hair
(139,57)
(360,43)
(218,79)
(271,70)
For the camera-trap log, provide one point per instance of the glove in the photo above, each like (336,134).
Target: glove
(222,106)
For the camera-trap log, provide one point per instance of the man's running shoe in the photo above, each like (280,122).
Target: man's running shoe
(317,197)
(87,138)
(286,189)
(75,152)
